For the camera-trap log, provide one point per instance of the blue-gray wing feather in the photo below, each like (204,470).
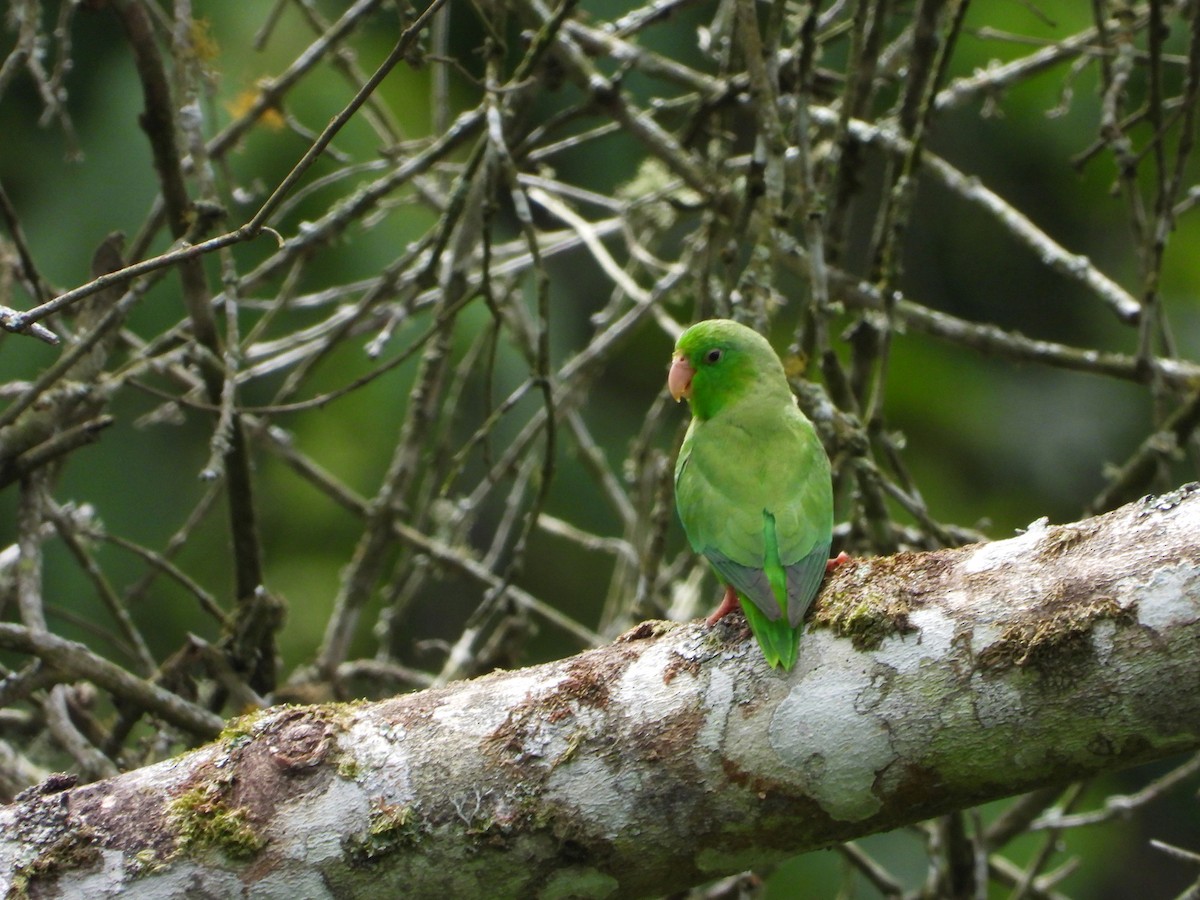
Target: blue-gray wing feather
(749,581)
(804,580)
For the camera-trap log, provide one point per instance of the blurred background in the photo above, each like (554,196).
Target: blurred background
(986,380)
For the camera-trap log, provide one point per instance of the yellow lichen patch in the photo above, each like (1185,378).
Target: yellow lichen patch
(204,45)
(1064,538)
(239,729)
(241,105)
(389,828)
(1057,626)
(865,619)
(647,630)
(795,365)
(869,600)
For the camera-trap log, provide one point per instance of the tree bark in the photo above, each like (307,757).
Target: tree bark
(926,683)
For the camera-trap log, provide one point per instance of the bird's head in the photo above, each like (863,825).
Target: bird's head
(718,361)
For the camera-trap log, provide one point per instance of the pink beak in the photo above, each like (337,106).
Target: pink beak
(679,379)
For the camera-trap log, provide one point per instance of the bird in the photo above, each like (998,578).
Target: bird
(752,482)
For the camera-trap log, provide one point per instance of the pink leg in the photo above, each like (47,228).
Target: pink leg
(837,561)
(728,604)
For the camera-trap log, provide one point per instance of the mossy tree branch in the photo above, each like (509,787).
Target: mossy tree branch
(928,682)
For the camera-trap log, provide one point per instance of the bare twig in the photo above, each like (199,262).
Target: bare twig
(79,662)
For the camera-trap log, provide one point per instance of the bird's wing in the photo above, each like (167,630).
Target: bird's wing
(755,501)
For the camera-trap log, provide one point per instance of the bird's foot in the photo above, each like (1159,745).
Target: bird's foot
(728,604)
(837,561)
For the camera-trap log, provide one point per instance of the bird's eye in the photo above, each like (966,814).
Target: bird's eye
(713,355)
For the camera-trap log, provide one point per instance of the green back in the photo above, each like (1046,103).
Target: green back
(753,489)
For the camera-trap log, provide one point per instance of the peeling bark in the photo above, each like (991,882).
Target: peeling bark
(926,682)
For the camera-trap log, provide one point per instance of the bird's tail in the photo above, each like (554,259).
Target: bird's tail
(780,642)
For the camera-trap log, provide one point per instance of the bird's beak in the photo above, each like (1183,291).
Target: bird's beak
(679,379)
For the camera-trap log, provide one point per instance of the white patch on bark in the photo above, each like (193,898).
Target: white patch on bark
(997,701)
(599,795)
(381,755)
(930,643)
(718,703)
(1168,601)
(478,712)
(647,669)
(987,557)
(182,879)
(290,882)
(311,828)
(836,756)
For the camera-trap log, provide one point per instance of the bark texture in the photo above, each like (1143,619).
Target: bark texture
(926,682)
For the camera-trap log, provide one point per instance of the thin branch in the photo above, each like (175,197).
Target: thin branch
(80,662)
(1118,805)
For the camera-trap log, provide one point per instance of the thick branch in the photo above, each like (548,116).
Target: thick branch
(927,682)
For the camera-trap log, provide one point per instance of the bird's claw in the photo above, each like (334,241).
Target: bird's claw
(837,561)
(728,604)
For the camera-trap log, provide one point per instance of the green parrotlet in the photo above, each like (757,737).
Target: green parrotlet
(752,483)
